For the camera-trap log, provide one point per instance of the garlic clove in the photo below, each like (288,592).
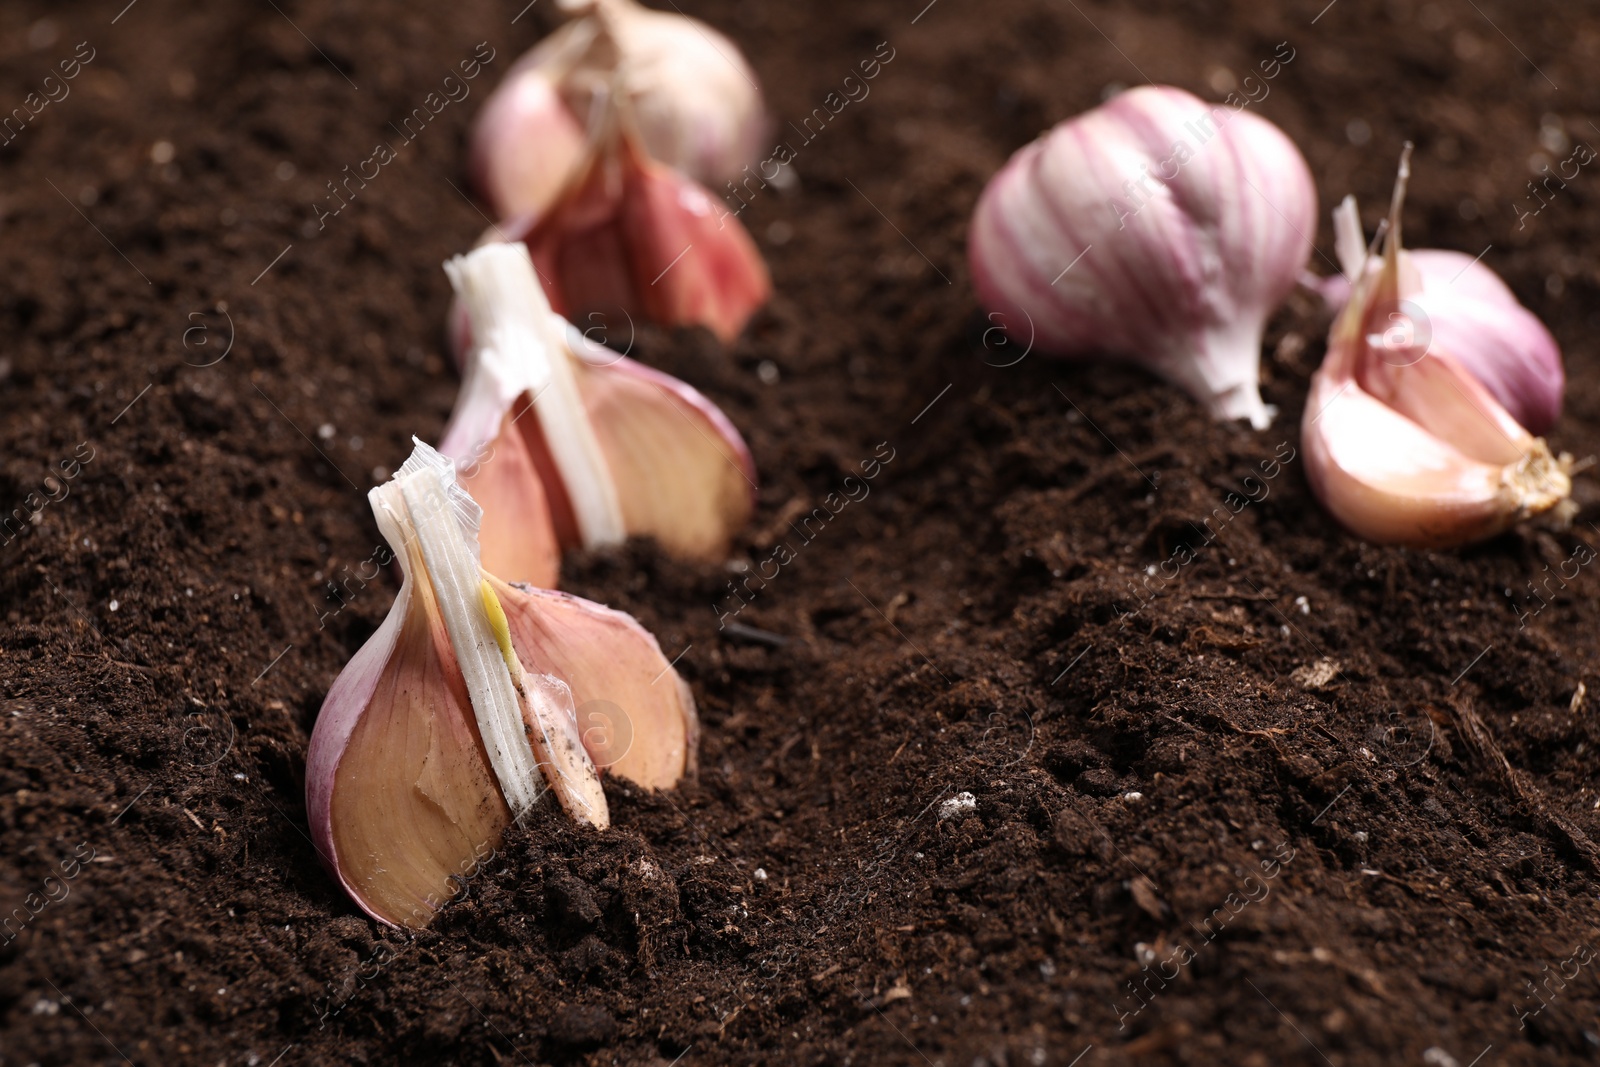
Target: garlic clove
(1157,228)
(672,463)
(1389,481)
(463,710)
(686,476)
(697,103)
(1472,314)
(632,234)
(695,99)
(391,825)
(1500,342)
(1403,445)
(525,144)
(1439,396)
(638,716)
(710,272)
(423,504)
(486,439)
(419,758)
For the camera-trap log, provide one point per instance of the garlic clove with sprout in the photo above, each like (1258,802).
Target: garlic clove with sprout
(697,104)
(459,713)
(423,751)
(1472,314)
(629,233)
(1389,480)
(1403,445)
(603,446)
(522,381)
(1157,228)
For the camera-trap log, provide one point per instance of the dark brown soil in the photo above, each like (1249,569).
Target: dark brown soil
(1365,865)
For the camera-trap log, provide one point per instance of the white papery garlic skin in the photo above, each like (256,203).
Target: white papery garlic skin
(692,95)
(1471,313)
(1156,227)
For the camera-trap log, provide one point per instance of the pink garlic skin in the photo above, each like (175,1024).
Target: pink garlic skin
(1179,277)
(525,144)
(1477,319)
(342,708)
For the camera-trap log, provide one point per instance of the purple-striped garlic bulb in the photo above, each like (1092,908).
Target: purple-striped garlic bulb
(1156,227)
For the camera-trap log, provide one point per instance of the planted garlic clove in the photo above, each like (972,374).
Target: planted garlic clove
(1472,314)
(391,825)
(695,99)
(421,756)
(633,235)
(614,448)
(1403,445)
(1157,228)
(462,711)
(695,96)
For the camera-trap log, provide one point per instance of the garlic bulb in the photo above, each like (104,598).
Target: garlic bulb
(1472,314)
(695,99)
(1403,445)
(461,711)
(567,444)
(1156,227)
